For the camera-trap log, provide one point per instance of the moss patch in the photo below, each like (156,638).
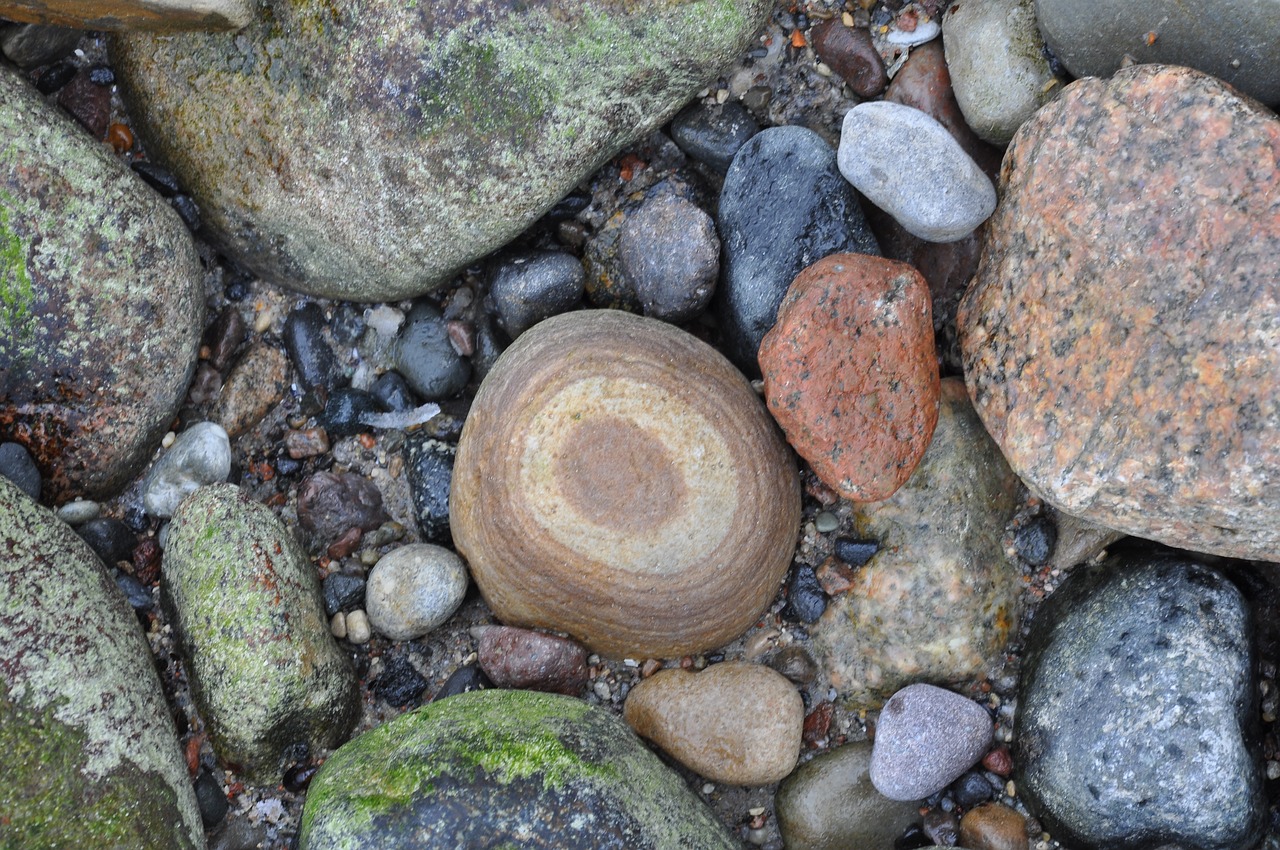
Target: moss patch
(17,295)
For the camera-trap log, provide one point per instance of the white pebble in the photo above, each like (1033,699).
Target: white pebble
(338,625)
(200,455)
(924,31)
(168,439)
(383,319)
(414,589)
(79,512)
(358,627)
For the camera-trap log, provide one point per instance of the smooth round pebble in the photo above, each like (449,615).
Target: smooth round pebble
(414,589)
(426,358)
(993,826)
(927,737)
(850,52)
(670,253)
(713,134)
(255,384)
(110,539)
(529,660)
(313,359)
(79,511)
(201,455)
(530,286)
(358,627)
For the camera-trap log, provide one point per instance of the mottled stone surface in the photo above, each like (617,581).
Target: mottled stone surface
(523,658)
(254,386)
(495,768)
(450,129)
(160,15)
(1121,340)
(413,589)
(850,372)
(936,603)
(735,722)
(101,304)
(89,754)
(926,737)
(265,672)
(1137,716)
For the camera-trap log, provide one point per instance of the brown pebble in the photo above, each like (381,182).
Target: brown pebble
(120,138)
(329,504)
(817,725)
(309,442)
(942,827)
(254,386)
(89,104)
(345,545)
(993,826)
(523,658)
(998,761)
(146,561)
(835,576)
(796,664)
(851,54)
(462,335)
(650,666)
(224,337)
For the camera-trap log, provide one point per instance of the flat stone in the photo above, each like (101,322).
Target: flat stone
(735,722)
(158,15)
(927,737)
(199,456)
(255,385)
(1142,402)
(1136,709)
(413,589)
(525,659)
(851,375)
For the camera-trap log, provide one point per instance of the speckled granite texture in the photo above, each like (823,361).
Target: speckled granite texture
(1121,340)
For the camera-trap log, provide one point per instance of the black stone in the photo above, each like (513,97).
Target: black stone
(713,134)
(137,520)
(1034,542)
(135,592)
(971,789)
(157,177)
(345,411)
(342,593)
(313,359)
(210,799)
(286,465)
(110,539)
(400,683)
(568,206)
(426,358)
(429,467)
(784,206)
(187,210)
(55,77)
(854,552)
(348,323)
(462,681)
(392,391)
(529,286)
(16,465)
(298,777)
(490,343)
(805,599)
(912,838)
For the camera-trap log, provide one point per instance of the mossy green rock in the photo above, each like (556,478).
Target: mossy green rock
(101,302)
(367,149)
(504,769)
(265,671)
(87,749)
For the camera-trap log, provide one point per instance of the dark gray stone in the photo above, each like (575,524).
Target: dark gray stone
(392,391)
(426,358)
(345,411)
(429,466)
(805,599)
(31,45)
(1136,718)
(713,134)
(462,681)
(670,254)
(342,592)
(784,206)
(212,800)
(110,539)
(312,358)
(530,286)
(16,465)
(329,505)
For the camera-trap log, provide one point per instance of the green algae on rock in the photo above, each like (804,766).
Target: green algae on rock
(87,749)
(265,671)
(101,306)
(160,15)
(500,768)
(448,130)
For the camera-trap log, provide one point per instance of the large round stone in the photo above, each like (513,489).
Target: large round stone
(367,149)
(1121,340)
(617,479)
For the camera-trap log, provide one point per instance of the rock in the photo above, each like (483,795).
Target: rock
(211,799)
(79,511)
(110,539)
(313,359)
(329,504)
(159,15)
(428,465)
(89,753)
(413,589)
(939,599)
(971,789)
(735,722)
(225,336)
(473,122)
(830,804)
(426,358)
(80,237)
(992,826)
(940,827)
(1034,541)
(257,383)
(265,673)
(998,66)
(524,659)
(669,252)
(850,52)
(530,286)
(805,599)
(712,134)
(851,375)
(342,592)
(399,684)
(1136,715)
(855,552)
(1092,391)
(31,45)
(464,680)
(1093,39)
(17,466)
(796,664)
(88,103)
(347,411)
(926,738)
(200,455)
(497,768)
(907,164)
(310,442)
(784,206)
(392,391)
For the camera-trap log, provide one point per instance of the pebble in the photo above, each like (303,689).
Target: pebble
(201,455)
(923,32)
(89,104)
(850,52)
(16,465)
(907,164)
(464,680)
(313,360)
(993,826)
(428,467)
(825,522)
(31,45)
(530,286)
(805,599)
(392,392)
(225,336)
(998,761)
(329,504)
(135,592)
(308,442)
(926,738)
(713,134)
(346,411)
(795,663)
(110,539)
(748,727)
(941,827)
(1035,541)
(348,325)
(669,252)
(79,511)
(521,658)
(399,684)
(255,385)
(855,552)
(342,592)
(784,206)
(971,789)
(426,358)
(211,799)
(357,623)
(851,375)
(413,589)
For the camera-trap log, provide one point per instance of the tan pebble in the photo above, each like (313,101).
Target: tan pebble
(358,627)
(993,826)
(169,437)
(338,625)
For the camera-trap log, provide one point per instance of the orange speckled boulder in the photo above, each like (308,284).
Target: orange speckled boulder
(851,375)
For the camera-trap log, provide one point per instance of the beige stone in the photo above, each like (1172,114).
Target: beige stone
(157,15)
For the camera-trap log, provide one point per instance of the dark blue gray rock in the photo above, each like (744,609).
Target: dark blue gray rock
(342,592)
(392,391)
(713,134)
(1136,718)
(429,466)
(669,252)
(313,359)
(530,286)
(16,465)
(110,539)
(345,411)
(464,680)
(31,45)
(784,206)
(426,358)
(211,798)
(399,684)
(805,599)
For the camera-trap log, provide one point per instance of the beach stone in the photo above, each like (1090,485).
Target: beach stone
(200,455)
(1093,38)
(498,768)
(998,66)
(1136,715)
(399,684)
(829,803)
(425,355)
(455,127)
(669,252)
(414,589)
(530,286)
(17,466)
(89,752)
(938,601)
(927,737)
(992,826)
(342,592)
(851,375)
(110,539)
(224,337)
(784,206)
(464,680)
(850,52)
(1095,393)
(428,465)
(392,391)
(255,385)
(103,304)
(907,164)
(31,45)
(329,504)
(713,133)
(346,411)
(312,356)
(525,659)
(735,722)
(265,672)
(158,15)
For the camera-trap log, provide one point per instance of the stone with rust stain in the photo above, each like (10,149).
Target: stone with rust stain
(736,722)
(101,303)
(158,15)
(1120,338)
(850,373)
